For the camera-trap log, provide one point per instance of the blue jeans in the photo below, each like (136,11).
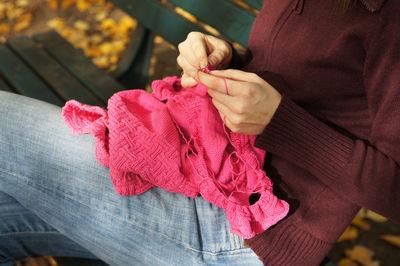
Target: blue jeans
(56,199)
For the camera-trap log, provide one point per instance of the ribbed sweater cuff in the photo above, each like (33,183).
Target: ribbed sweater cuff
(300,138)
(288,245)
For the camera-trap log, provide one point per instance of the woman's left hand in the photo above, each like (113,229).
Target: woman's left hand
(246,104)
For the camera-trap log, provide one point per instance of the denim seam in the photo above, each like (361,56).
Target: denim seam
(138,225)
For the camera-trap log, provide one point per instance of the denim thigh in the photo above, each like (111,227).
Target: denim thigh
(56,176)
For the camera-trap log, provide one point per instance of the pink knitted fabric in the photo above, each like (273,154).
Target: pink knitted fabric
(175,139)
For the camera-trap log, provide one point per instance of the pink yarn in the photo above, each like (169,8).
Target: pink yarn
(175,139)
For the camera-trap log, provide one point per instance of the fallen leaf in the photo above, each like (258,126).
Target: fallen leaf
(392,239)
(81,25)
(67,3)
(114,59)
(66,33)
(350,234)
(53,4)
(23,22)
(96,39)
(14,13)
(101,15)
(346,262)
(362,255)
(108,24)
(106,48)
(126,24)
(93,51)
(361,223)
(82,5)
(4,29)
(56,23)
(101,62)
(118,46)
(375,217)
(22,3)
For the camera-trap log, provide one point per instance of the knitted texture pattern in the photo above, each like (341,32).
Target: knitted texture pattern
(175,139)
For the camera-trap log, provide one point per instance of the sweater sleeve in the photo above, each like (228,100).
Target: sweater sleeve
(365,172)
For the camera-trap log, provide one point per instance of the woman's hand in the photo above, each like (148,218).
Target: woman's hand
(247,102)
(200,50)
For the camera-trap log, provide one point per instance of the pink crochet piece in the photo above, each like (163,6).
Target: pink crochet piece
(175,139)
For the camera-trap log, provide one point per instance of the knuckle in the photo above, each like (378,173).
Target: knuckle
(194,34)
(180,46)
(240,109)
(236,120)
(253,76)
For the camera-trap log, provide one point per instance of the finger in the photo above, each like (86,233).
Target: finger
(186,52)
(222,85)
(220,51)
(187,68)
(235,120)
(197,43)
(188,81)
(235,74)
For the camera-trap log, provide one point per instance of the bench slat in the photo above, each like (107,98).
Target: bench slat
(97,80)
(53,73)
(229,19)
(159,19)
(4,86)
(23,79)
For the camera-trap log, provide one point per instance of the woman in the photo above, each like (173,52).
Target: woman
(320,88)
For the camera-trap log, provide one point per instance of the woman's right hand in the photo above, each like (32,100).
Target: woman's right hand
(200,50)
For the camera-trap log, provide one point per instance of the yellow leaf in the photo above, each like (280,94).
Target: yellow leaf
(375,217)
(56,23)
(82,5)
(81,25)
(101,62)
(93,51)
(101,15)
(106,48)
(23,22)
(126,24)
(346,262)
(67,3)
(118,46)
(22,3)
(96,38)
(350,234)
(66,33)
(53,4)
(114,59)
(108,24)
(392,239)
(76,37)
(361,223)
(14,13)
(4,29)
(362,255)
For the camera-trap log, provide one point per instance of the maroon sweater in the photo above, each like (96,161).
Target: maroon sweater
(334,142)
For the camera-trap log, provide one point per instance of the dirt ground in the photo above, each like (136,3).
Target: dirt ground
(370,240)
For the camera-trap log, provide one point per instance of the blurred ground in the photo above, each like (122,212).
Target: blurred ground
(102,32)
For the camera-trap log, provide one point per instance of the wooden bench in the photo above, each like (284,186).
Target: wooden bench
(48,68)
